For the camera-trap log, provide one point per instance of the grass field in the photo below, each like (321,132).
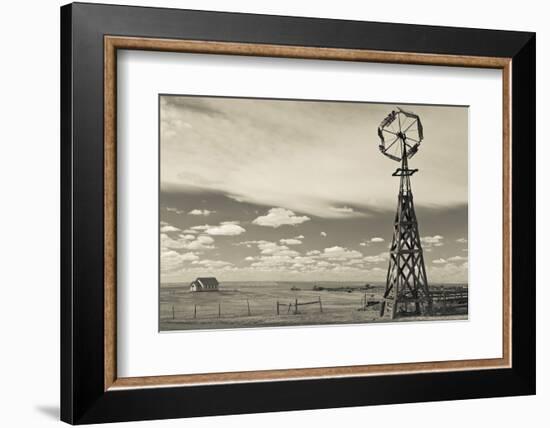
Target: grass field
(254,304)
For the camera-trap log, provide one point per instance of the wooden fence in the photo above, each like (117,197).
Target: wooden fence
(367,301)
(297,304)
(447,299)
(455,298)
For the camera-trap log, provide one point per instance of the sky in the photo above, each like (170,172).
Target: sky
(290,190)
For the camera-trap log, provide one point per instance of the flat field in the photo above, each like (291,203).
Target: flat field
(254,304)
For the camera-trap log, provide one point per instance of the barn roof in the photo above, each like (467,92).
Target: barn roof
(211,281)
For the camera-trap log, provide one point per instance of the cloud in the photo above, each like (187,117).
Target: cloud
(171,243)
(343,210)
(200,212)
(324,234)
(363,244)
(212,264)
(382,257)
(291,241)
(340,253)
(189,257)
(268,248)
(448,272)
(354,262)
(171,260)
(272,248)
(201,243)
(457,259)
(174,210)
(439,261)
(225,228)
(188,242)
(462,240)
(432,241)
(305,260)
(275,256)
(299,237)
(272,261)
(277,217)
(202,227)
(377,239)
(169,228)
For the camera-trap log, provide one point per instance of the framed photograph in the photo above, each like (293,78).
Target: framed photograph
(275,213)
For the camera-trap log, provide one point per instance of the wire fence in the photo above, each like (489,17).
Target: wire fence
(232,310)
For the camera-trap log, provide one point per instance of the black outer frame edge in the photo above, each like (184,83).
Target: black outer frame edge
(299,31)
(66,306)
(83,398)
(524,219)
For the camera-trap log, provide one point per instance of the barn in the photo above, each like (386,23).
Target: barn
(205,284)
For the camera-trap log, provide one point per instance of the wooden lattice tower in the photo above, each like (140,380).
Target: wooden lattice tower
(406,282)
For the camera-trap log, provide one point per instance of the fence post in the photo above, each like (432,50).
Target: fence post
(195,313)
(219,310)
(277,307)
(296,307)
(173,313)
(320,305)
(248,304)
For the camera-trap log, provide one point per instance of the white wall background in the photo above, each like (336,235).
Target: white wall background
(29,218)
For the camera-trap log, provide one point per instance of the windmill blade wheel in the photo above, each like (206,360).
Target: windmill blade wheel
(400,134)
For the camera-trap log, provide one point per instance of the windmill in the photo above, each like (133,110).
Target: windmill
(407,290)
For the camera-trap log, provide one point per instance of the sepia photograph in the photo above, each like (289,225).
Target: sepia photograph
(281,213)
(278,212)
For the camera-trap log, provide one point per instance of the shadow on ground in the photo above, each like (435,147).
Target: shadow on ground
(50,411)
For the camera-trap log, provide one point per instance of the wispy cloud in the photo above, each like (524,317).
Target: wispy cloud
(273,143)
(346,211)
